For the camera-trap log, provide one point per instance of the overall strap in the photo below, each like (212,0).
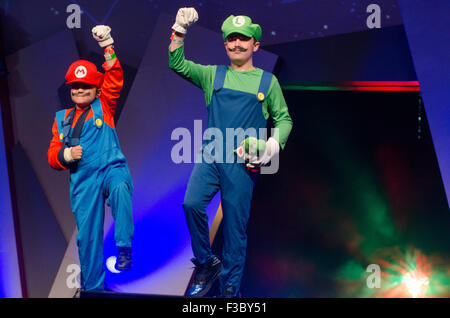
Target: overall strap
(98,113)
(60,116)
(75,138)
(264,85)
(64,124)
(219,79)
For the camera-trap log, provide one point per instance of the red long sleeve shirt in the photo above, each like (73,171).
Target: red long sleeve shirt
(110,92)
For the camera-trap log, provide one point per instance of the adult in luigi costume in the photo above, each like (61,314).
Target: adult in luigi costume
(241,97)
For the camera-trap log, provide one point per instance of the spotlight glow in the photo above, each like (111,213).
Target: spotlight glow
(416,282)
(110,263)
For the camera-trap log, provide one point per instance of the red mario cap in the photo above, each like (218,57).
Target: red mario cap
(83,71)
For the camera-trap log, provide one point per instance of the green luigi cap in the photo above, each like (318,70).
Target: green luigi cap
(241,24)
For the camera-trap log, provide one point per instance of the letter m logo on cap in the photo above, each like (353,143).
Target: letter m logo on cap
(80,71)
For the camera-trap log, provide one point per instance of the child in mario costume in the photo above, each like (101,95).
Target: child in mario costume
(85,142)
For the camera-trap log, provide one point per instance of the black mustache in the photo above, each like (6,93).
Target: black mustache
(81,94)
(239,48)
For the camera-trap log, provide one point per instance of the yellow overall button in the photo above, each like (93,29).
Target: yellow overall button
(260,96)
(61,136)
(99,122)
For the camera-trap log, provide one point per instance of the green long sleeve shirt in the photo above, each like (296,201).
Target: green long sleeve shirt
(274,104)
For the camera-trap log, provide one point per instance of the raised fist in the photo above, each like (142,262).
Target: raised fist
(101,34)
(185,18)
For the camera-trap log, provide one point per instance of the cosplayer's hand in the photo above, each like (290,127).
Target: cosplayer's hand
(101,34)
(272,149)
(76,152)
(185,18)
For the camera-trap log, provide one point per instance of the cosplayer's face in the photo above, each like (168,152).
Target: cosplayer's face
(83,94)
(240,48)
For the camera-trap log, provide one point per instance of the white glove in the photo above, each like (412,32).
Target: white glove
(68,156)
(101,34)
(272,149)
(185,17)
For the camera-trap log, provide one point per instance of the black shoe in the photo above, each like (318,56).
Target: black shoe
(123,262)
(230,292)
(205,275)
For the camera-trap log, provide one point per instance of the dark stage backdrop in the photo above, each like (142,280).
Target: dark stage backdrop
(320,41)
(357,185)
